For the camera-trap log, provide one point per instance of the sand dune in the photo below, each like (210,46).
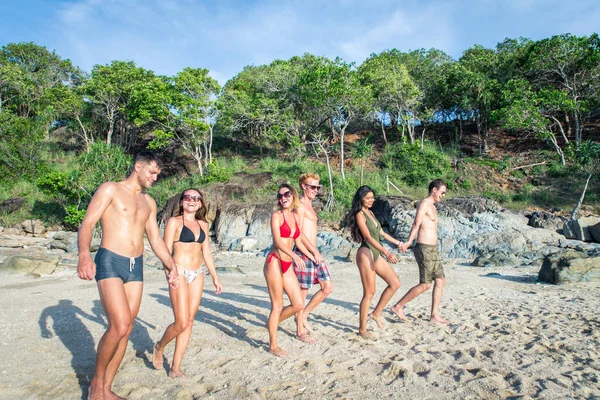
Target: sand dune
(510,338)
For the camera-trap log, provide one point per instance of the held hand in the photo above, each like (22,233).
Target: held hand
(391,257)
(318,258)
(173,277)
(404,247)
(298,261)
(86,268)
(218,287)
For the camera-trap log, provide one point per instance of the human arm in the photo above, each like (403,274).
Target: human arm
(313,253)
(86,269)
(361,221)
(391,239)
(159,246)
(414,230)
(209,260)
(279,243)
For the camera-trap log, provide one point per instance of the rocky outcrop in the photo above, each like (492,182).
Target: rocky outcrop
(571,266)
(11,205)
(476,227)
(579,229)
(546,220)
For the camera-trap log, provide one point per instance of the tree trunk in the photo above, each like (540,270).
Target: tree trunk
(383,132)
(342,134)
(578,129)
(558,149)
(580,202)
(330,199)
(210,143)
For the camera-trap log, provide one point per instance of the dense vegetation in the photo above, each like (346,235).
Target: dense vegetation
(419,115)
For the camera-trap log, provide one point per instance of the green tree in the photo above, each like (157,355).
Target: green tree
(482,88)
(571,64)
(334,92)
(393,92)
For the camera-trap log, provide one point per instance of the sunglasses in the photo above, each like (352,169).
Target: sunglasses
(287,195)
(313,187)
(189,197)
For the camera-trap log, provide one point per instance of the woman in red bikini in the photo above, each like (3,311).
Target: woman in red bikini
(186,236)
(278,269)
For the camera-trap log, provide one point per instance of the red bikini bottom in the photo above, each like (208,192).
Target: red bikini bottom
(285,265)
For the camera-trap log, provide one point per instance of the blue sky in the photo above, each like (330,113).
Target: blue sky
(225,35)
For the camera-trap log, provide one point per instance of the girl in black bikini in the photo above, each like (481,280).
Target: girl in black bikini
(278,274)
(186,237)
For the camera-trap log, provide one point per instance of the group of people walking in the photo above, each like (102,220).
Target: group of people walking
(293,265)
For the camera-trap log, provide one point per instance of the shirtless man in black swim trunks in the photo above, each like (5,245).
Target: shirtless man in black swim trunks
(125,212)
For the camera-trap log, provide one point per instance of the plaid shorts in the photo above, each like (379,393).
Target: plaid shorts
(312,274)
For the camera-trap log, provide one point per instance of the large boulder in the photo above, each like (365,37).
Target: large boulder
(595,232)
(34,226)
(571,266)
(237,221)
(578,229)
(40,264)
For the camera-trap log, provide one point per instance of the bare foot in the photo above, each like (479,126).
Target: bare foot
(367,335)
(377,319)
(278,352)
(399,313)
(95,392)
(439,320)
(306,326)
(177,374)
(110,395)
(306,338)
(157,357)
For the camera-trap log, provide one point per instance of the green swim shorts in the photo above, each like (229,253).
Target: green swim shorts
(430,265)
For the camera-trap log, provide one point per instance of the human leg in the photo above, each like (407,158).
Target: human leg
(180,305)
(181,342)
(292,289)
(274,280)
(438,288)
(324,279)
(366,268)
(121,303)
(387,273)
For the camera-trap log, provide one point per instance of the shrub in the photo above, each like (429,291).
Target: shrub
(416,166)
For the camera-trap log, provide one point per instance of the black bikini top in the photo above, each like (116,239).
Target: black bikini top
(187,236)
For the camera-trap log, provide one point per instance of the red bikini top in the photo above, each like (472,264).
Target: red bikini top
(286,232)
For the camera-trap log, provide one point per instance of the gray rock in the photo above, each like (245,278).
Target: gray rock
(569,267)
(39,264)
(579,229)
(34,226)
(11,205)
(18,241)
(12,231)
(496,260)
(545,220)
(247,243)
(595,232)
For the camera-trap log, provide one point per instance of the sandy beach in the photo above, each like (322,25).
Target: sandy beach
(510,337)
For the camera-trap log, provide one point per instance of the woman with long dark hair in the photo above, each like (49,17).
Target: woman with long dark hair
(371,257)
(186,236)
(278,270)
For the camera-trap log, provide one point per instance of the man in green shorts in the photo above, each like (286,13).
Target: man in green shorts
(425,229)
